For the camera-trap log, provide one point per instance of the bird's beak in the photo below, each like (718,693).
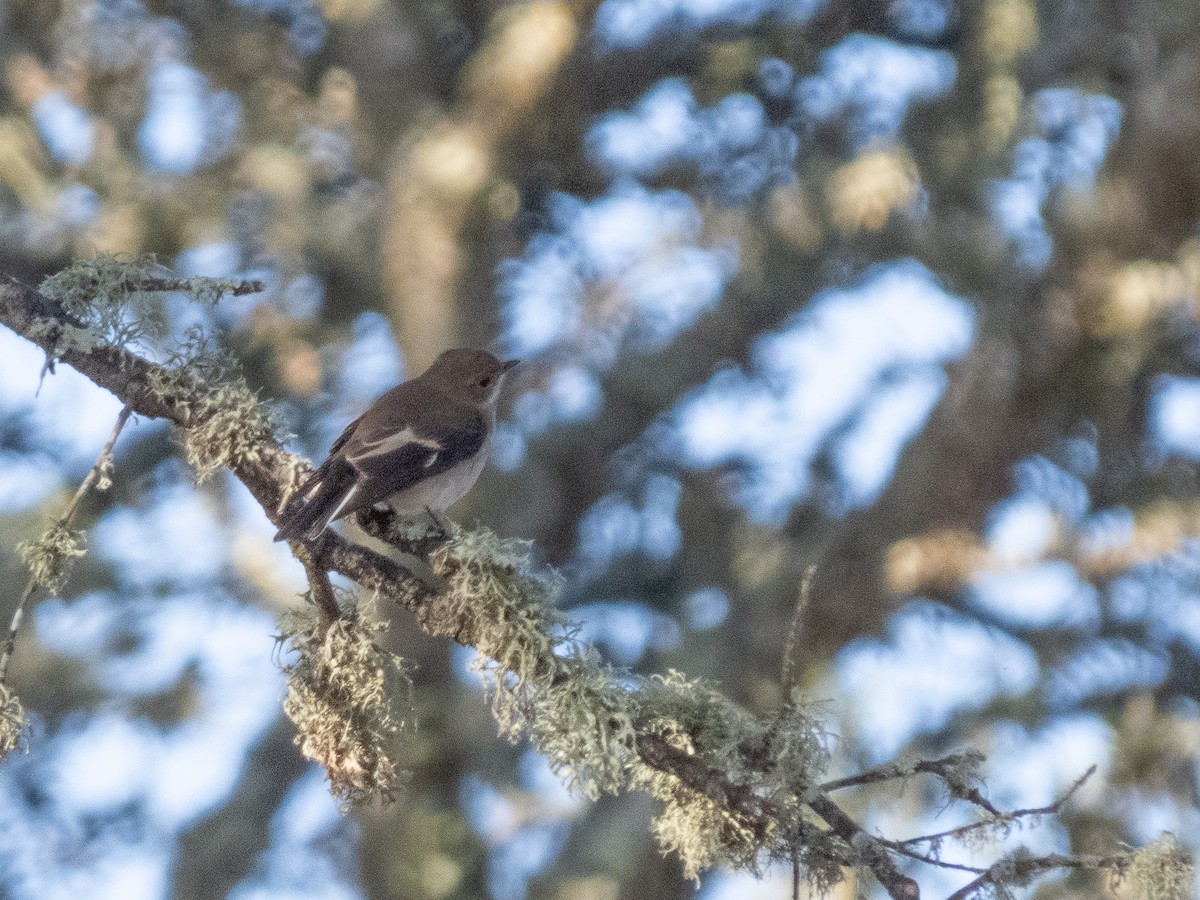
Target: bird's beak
(508,364)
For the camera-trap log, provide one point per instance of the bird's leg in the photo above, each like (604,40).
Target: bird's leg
(440,530)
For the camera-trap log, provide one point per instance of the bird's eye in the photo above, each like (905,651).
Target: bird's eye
(485,381)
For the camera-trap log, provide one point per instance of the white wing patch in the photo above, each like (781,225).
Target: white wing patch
(390,443)
(349,496)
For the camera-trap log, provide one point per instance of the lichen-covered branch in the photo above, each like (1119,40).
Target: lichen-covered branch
(736,789)
(320,589)
(957,771)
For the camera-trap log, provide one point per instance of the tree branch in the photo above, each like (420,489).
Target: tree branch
(320,589)
(1004,818)
(238,288)
(898,885)
(1024,869)
(948,768)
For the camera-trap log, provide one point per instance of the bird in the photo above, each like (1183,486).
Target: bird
(418,448)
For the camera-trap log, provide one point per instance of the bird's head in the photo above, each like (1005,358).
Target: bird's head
(473,373)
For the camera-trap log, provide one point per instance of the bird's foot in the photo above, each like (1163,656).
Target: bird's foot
(440,532)
(377,521)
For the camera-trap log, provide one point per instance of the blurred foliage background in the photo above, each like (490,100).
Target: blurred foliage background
(908,290)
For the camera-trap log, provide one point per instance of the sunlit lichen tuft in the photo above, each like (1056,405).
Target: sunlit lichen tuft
(227,424)
(348,699)
(582,723)
(51,556)
(12,721)
(97,290)
(1161,871)
(491,584)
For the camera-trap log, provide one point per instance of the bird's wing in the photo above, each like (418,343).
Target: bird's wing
(392,455)
(345,436)
(326,491)
(379,454)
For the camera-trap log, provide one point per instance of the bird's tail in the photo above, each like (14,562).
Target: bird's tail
(333,484)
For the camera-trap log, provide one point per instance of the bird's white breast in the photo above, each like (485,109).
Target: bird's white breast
(440,491)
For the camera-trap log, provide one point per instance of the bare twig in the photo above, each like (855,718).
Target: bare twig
(1028,867)
(64,521)
(1005,818)
(926,858)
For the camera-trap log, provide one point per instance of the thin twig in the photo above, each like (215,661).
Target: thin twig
(787,673)
(944,768)
(893,771)
(795,874)
(1004,818)
(1024,868)
(928,860)
(64,522)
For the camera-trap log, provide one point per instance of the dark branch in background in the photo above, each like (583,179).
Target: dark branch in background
(63,525)
(788,670)
(270,473)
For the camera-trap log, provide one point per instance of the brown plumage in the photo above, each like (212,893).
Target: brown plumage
(419,446)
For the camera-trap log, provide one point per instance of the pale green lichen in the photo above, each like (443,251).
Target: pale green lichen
(1008,873)
(1161,871)
(207,290)
(701,832)
(117,299)
(498,597)
(541,682)
(97,291)
(581,722)
(12,722)
(349,700)
(51,556)
(227,425)
(581,715)
(778,761)
(965,775)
